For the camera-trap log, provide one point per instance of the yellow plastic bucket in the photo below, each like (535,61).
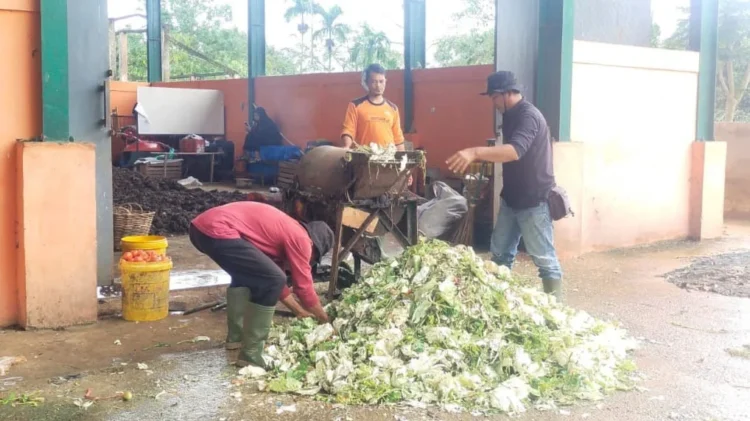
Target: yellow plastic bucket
(145,290)
(145,242)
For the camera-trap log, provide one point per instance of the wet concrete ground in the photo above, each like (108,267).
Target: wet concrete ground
(685,356)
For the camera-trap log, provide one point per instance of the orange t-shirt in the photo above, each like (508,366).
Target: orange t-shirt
(367,123)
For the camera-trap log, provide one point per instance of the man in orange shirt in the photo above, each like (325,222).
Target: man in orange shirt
(372,118)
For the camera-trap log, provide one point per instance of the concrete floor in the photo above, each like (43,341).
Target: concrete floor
(689,373)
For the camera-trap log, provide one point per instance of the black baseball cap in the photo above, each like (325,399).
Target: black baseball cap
(501,82)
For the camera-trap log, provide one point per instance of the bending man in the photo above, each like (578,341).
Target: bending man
(252,242)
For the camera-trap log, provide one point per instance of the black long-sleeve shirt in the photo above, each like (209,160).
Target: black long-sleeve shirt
(528,181)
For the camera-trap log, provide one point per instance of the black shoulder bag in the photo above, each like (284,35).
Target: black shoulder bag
(557,199)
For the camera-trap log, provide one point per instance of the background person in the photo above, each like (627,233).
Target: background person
(372,118)
(262,132)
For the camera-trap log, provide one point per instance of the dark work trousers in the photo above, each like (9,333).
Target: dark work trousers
(248,266)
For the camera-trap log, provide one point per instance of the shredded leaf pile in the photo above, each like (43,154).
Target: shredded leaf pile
(377,153)
(382,156)
(440,326)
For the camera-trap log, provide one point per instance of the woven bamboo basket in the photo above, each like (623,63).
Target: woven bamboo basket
(129,220)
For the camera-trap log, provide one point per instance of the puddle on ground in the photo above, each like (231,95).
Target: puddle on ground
(197,278)
(195,387)
(178,280)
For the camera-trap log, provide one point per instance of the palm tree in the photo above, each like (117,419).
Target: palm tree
(301,9)
(332,32)
(371,47)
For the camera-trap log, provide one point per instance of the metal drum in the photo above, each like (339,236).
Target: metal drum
(345,174)
(324,171)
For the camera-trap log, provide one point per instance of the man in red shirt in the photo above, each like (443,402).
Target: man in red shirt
(252,242)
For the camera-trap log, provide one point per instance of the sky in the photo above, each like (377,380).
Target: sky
(383,15)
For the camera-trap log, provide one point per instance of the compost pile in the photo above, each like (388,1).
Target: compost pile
(174,205)
(440,326)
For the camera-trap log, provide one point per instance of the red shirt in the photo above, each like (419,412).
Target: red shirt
(273,232)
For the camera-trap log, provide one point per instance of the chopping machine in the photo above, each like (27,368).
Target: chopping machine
(358,194)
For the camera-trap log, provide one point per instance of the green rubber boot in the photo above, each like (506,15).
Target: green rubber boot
(237,301)
(255,331)
(553,287)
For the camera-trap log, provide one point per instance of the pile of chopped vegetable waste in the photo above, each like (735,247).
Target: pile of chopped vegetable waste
(378,153)
(440,326)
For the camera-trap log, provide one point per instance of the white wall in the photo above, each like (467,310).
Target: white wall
(634,111)
(633,94)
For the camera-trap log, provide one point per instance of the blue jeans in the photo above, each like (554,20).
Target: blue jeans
(535,226)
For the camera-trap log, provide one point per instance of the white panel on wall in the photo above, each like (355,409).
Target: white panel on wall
(178,111)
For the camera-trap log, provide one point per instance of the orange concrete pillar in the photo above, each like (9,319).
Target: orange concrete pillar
(569,173)
(56,234)
(20,117)
(707,181)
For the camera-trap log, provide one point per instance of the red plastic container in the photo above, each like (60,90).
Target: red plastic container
(192,145)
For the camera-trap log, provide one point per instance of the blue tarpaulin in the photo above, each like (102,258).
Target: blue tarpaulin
(280,153)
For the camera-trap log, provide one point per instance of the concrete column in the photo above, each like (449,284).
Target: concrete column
(57,265)
(707,184)
(153,40)
(415,56)
(75,68)
(703,38)
(256,49)
(555,65)
(708,171)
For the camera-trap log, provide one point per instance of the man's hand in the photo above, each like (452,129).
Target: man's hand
(304,314)
(411,180)
(348,141)
(320,314)
(291,303)
(460,161)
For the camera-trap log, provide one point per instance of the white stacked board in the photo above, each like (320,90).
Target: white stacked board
(179,111)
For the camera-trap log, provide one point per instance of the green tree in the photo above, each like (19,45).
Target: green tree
(137,59)
(200,40)
(304,9)
(333,32)
(202,29)
(655,35)
(475,47)
(733,72)
(280,62)
(370,46)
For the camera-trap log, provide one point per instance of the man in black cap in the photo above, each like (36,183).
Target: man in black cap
(254,243)
(528,179)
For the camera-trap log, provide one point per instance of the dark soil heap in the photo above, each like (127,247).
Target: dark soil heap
(725,274)
(175,205)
